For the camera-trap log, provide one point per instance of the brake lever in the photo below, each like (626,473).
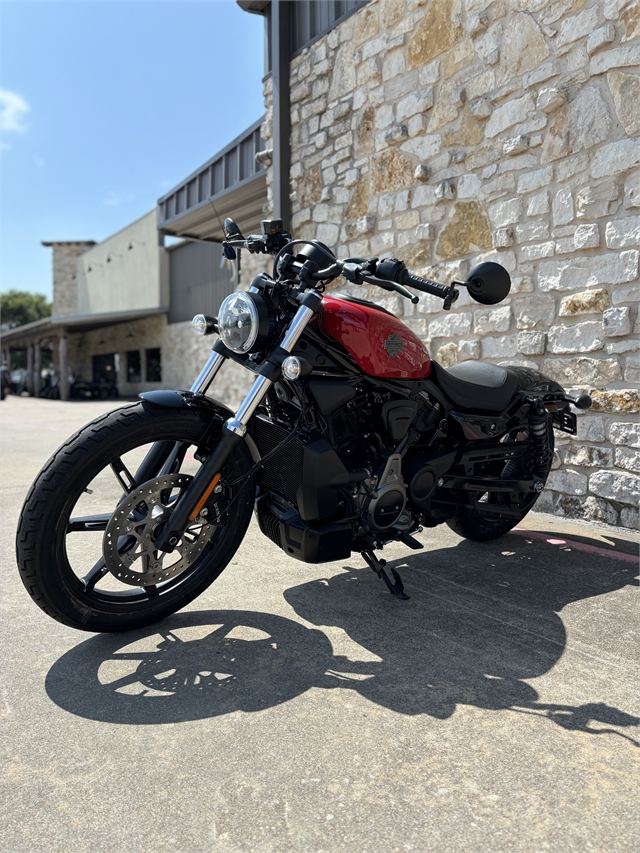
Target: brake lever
(391,286)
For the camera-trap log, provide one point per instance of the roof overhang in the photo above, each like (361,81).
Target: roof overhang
(257,7)
(75,323)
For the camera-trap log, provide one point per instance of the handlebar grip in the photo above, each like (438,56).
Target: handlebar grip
(425,285)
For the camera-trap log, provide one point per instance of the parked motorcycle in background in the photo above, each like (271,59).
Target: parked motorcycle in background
(350,438)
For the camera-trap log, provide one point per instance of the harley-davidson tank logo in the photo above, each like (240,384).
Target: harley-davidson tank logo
(394,344)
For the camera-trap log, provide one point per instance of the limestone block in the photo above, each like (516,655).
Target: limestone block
(506,212)
(468,228)
(410,219)
(487,320)
(567,481)
(365,25)
(481,108)
(391,171)
(632,192)
(509,114)
(531,343)
(424,147)
(625,433)
(300,92)
(477,23)
(585,302)
(589,457)
(501,347)
(451,326)
(416,102)
(630,20)
(631,293)
(535,180)
(562,207)
(632,369)
(445,191)
(503,238)
(590,428)
(616,486)
(623,401)
(521,284)
(577,126)
(571,166)
(619,57)
(422,173)
(506,259)
(616,157)
(583,337)
(393,64)
(515,145)
(535,251)
(625,89)
(577,26)
(583,370)
(590,508)
(621,233)
(600,37)
(523,47)
(586,237)
(616,322)
(630,517)
(571,274)
(395,135)
(468,186)
(628,459)
(437,32)
(550,99)
(538,204)
(425,232)
(565,246)
(626,345)
(598,200)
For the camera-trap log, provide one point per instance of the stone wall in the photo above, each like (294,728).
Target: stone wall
(65,281)
(450,132)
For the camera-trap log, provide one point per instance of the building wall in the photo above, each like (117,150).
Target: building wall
(126,272)
(65,281)
(448,133)
(183,353)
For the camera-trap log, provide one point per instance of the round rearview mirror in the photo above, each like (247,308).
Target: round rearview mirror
(489,283)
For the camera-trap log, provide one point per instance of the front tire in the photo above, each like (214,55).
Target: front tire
(66,513)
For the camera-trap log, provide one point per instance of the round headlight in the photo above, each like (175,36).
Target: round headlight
(238,322)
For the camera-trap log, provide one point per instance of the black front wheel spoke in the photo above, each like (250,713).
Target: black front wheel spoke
(97,573)
(88,522)
(125,478)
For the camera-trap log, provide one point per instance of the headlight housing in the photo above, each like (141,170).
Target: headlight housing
(245,322)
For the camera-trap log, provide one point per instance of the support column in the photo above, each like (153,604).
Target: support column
(37,366)
(281,53)
(29,382)
(63,367)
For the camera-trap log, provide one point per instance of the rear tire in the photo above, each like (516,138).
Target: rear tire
(471,525)
(54,568)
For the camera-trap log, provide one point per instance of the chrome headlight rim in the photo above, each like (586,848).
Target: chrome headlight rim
(260,322)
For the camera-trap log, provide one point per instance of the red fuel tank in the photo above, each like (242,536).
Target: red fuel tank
(379,343)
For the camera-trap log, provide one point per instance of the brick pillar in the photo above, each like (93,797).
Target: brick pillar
(37,366)
(63,367)
(30,369)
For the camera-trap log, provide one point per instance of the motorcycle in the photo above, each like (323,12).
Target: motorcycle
(351,437)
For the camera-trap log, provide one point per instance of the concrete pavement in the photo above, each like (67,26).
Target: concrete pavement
(301,708)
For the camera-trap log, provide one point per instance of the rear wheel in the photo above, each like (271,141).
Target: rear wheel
(471,523)
(85,541)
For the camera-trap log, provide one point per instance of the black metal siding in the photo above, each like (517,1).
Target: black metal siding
(197,284)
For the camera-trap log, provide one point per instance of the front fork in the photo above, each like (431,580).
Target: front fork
(234,429)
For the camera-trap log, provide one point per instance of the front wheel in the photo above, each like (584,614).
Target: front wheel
(85,542)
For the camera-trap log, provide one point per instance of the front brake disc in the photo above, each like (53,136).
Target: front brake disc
(128,546)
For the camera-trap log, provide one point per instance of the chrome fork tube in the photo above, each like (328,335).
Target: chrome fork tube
(238,423)
(208,373)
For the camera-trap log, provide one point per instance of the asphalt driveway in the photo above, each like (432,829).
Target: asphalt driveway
(301,708)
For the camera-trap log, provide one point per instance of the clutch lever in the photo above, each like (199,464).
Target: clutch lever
(391,285)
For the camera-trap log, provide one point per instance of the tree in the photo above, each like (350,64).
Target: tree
(18,307)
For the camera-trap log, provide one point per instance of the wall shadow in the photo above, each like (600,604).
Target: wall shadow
(482,619)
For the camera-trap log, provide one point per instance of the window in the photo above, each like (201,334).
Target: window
(104,368)
(154,366)
(134,368)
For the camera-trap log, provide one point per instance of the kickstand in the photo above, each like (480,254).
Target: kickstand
(396,588)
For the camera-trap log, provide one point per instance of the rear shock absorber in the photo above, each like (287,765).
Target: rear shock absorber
(538,419)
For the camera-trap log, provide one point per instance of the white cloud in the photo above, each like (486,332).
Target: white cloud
(13,112)
(114,199)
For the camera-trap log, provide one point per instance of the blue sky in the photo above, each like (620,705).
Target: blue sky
(106,106)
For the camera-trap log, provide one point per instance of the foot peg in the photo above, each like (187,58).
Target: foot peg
(410,541)
(396,588)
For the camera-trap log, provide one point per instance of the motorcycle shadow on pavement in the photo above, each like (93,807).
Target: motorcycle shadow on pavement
(482,620)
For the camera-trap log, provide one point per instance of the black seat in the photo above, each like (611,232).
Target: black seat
(476,385)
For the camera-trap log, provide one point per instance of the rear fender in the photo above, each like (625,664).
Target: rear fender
(217,410)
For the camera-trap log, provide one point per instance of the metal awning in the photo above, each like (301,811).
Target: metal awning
(233,181)
(76,323)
